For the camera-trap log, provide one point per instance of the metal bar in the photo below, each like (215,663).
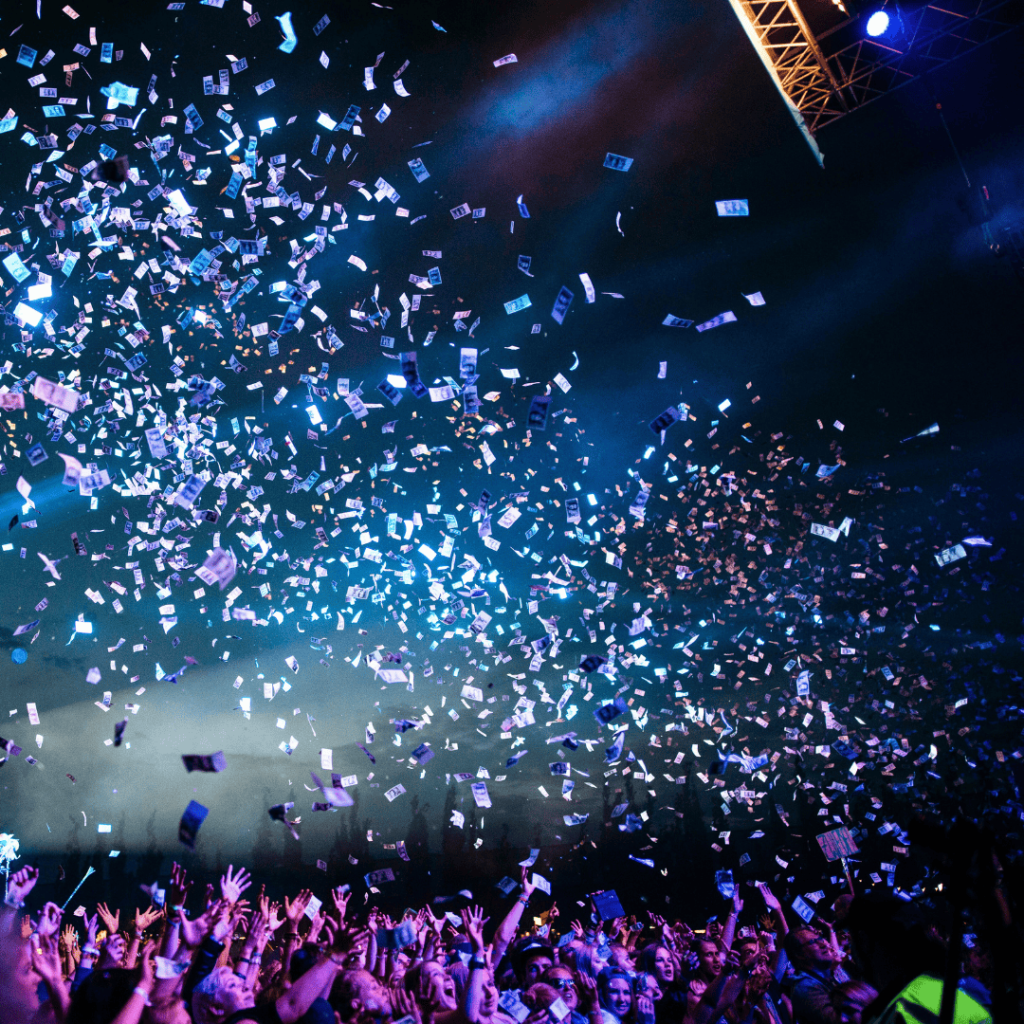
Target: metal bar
(748,20)
(820,87)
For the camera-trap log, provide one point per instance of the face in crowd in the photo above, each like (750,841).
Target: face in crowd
(711,959)
(620,997)
(811,950)
(664,967)
(561,978)
(534,965)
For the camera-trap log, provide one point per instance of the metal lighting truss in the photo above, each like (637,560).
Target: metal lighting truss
(821,82)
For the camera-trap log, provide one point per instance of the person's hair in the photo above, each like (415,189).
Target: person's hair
(546,976)
(101,996)
(645,961)
(525,949)
(205,992)
(793,946)
(303,958)
(506,979)
(587,959)
(604,980)
(539,996)
(346,988)
(413,977)
(641,980)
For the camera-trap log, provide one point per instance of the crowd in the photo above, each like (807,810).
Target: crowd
(228,960)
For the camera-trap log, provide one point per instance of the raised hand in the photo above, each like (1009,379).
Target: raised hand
(223,922)
(524,879)
(143,919)
(737,902)
(404,1005)
(46,958)
(69,938)
(193,932)
(110,921)
(232,887)
(294,909)
(644,1009)
(473,920)
(434,923)
(177,891)
(239,912)
(316,926)
(146,976)
(341,899)
(348,940)
(275,920)
(770,901)
(586,988)
(21,884)
(49,920)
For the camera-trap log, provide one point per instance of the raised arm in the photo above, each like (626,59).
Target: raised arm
(131,1012)
(720,995)
(298,999)
(506,933)
(19,885)
(293,911)
(142,921)
(729,931)
(474,921)
(177,893)
(46,961)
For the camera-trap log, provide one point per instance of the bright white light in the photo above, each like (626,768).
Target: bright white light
(266,124)
(396,380)
(27,315)
(878,23)
(179,203)
(39,291)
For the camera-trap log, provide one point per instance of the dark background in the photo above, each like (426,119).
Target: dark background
(885,310)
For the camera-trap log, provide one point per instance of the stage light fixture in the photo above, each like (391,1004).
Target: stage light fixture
(878,24)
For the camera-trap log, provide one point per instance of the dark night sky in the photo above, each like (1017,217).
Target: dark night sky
(884,310)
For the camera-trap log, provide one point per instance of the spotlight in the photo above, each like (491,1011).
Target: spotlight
(878,24)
